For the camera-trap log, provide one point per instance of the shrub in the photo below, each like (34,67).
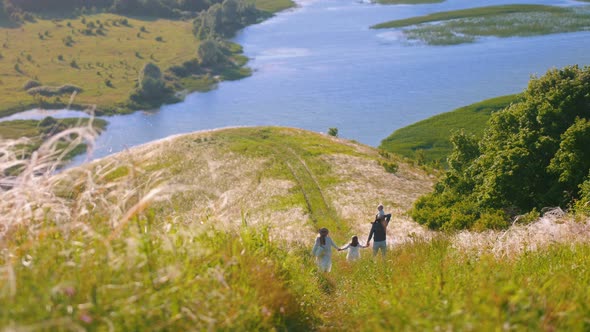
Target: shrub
(50,91)
(159,39)
(390,167)
(492,220)
(528,218)
(31,84)
(333,132)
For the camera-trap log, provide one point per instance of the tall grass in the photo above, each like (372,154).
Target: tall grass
(108,247)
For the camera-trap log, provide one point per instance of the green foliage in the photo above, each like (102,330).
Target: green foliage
(209,53)
(49,91)
(225,18)
(333,132)
(152,90)
(528,217)
(533,154)
(31,84)
(390,167)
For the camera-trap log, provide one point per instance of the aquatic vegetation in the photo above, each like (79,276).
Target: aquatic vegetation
(469,25)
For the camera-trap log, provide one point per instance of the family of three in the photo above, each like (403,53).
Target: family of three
(322,248)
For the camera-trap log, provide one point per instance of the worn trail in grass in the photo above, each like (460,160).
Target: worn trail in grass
(209,231)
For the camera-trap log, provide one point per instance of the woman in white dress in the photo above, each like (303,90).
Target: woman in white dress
(353,249)
(322,250)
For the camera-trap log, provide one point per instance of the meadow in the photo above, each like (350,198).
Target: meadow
(101,56)
(467,25)
(428,139)
(145,241)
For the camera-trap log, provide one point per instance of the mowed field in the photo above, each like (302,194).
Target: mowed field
(103,56)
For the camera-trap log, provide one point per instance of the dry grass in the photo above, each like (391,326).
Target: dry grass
(124,241)
(196,180)
(553,228)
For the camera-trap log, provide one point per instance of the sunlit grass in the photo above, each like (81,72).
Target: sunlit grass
(40,51)
(466,25)
(273,6)
(148,240)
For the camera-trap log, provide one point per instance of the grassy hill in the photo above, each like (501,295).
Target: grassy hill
(213,231)
(430,137)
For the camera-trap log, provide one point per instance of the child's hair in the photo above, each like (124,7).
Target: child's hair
(354,241)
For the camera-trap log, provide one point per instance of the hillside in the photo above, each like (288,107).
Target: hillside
(213,231)
(432,136)
(302,180)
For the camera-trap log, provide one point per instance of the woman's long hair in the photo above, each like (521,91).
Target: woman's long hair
(323,234)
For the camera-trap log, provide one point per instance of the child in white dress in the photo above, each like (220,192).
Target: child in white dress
(353,249)
(322,250)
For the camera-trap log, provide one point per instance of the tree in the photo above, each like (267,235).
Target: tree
(209,53)
(152,89)
(535,153)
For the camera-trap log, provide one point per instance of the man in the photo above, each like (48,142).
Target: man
(378,232)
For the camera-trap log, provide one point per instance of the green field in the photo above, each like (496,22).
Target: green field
(273,6)
(466,25)
(213,231)
(40,51)
(431,136)
(103,55)
(408,2)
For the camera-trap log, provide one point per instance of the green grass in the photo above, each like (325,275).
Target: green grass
(273,6)
(296,156)
(118,56)
(153,277)
(129,243)
(408,2)
(104,64)
(466,25)
(431,136)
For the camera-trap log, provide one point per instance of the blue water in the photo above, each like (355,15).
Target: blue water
(320,66)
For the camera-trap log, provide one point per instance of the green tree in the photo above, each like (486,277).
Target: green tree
(209,53)
(533,154)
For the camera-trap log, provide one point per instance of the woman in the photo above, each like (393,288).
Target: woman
(322,250)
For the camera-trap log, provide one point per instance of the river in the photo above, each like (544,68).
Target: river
(319,66)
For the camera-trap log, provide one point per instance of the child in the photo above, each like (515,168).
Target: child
(322,250)
(381,216)
(353,249)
